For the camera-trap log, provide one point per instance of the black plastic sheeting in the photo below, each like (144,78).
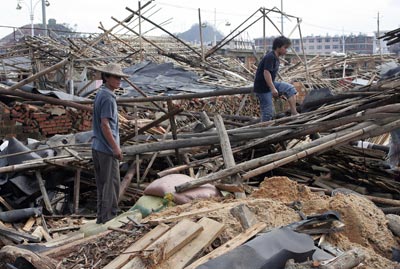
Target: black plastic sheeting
(155,78)
(270,250)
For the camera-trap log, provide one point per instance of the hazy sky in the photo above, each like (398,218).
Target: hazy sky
(318,16)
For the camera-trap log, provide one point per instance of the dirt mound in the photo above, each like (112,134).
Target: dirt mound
(284,190)
(366,224)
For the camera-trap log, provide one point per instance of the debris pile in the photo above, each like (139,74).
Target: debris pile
(202,180)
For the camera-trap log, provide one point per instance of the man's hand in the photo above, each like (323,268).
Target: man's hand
(117,153)
(274,92)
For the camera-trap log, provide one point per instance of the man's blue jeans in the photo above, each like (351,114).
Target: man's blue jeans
(266,104)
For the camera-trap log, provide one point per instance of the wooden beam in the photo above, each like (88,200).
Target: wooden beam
(173,129)
(226,149)
(44,192)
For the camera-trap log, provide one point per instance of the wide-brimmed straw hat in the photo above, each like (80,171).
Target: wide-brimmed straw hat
(112,69)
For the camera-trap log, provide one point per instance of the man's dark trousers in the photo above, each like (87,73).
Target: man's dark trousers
(106,169)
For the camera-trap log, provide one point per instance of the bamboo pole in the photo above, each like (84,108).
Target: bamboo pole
(304,153)
(367,130)
(166,31)
(123,100)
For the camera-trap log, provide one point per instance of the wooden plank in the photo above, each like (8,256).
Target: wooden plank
(7,205)
(231,244)
(211,230)
(29,224)
(44,192)
(176,238)
(139,245)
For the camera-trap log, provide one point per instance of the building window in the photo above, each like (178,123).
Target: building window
(327,39)
(327,47)
(335,39)
(319,40)
(319,47)
(311,41)
(311,47)
(335,47)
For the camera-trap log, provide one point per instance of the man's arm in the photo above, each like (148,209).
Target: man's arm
(270,83)
(105,128)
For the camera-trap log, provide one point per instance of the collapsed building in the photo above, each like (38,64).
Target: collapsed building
(204,184)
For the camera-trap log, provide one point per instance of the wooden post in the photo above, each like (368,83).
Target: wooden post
(137,142)
(173,129)
(44,192)
(227,151)
(77,185)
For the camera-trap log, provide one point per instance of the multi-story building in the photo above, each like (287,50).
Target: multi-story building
(361,44)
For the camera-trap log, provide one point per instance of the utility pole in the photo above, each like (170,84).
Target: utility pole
(343,41)
(378,34)
(44,17)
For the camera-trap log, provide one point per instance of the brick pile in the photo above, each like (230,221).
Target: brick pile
(49,120)
(8,126)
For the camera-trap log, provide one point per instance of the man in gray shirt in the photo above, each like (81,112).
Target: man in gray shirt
(106,150)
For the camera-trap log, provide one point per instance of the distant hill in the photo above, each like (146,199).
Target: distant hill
(58,29)
(193,34)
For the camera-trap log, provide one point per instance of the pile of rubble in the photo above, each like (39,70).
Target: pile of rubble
(204,184)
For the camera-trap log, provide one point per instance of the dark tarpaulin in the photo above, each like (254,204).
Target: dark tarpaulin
(155,78)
